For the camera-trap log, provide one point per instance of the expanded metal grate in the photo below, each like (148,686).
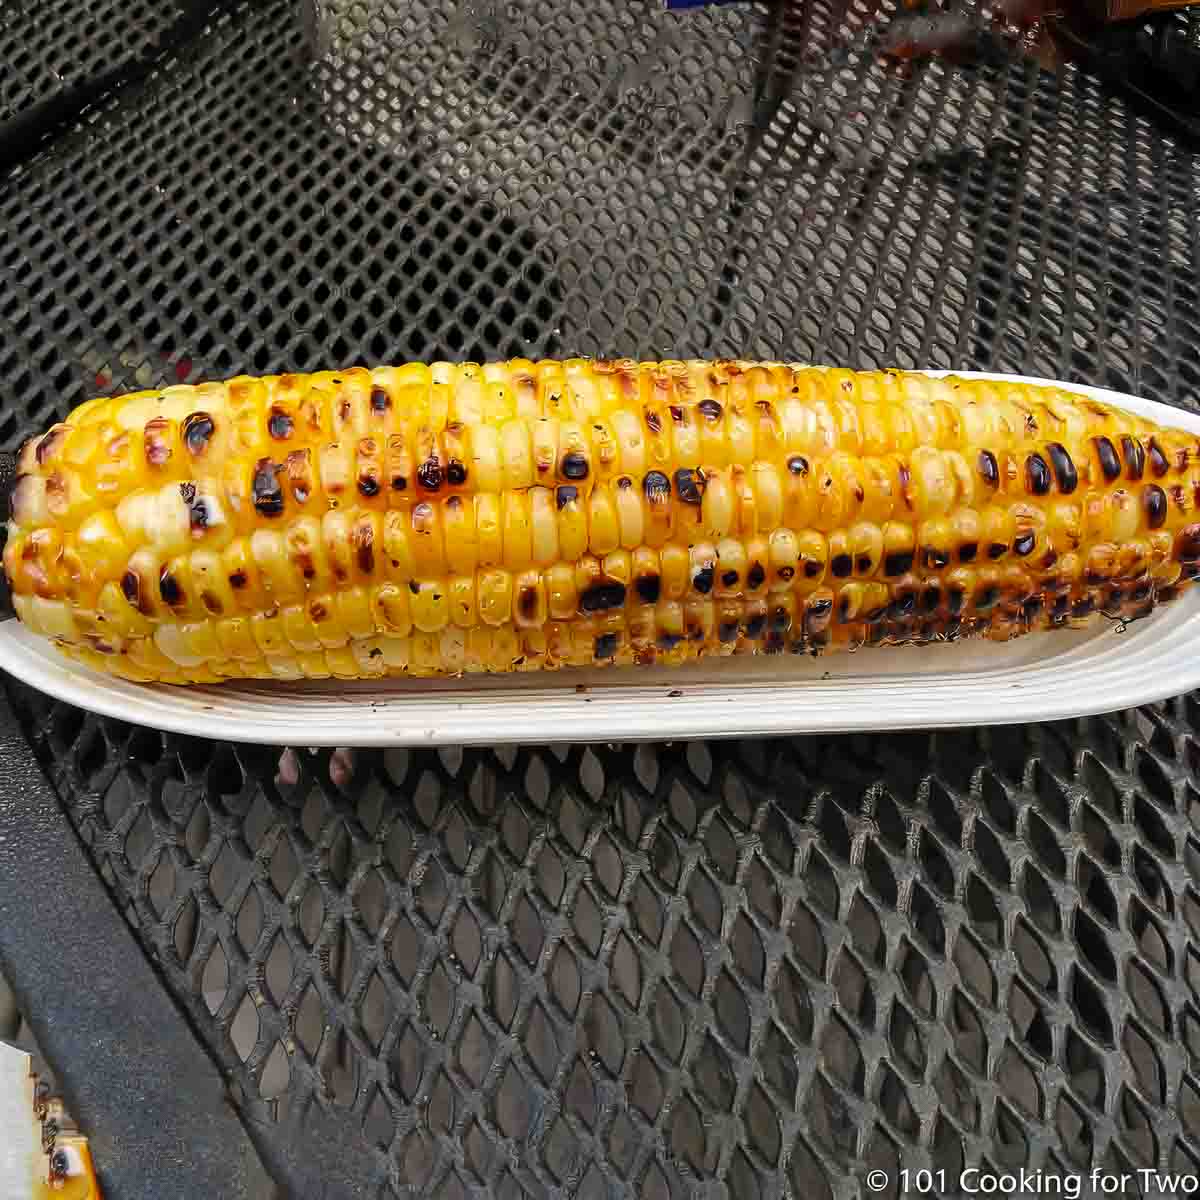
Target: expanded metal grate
(620,972)
(710,970)
(48,46)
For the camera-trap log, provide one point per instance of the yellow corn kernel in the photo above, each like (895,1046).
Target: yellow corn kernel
(430,606)
(675,571)
(494,594)
(517,531)
(604,533)
(530,607)
(543,520)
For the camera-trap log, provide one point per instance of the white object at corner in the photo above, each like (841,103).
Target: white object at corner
(22,1163)
(1038,677)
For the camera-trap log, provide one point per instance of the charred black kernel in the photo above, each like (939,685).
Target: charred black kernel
(1037,475)
(1031,606)
(967,552)
(1025,543)
(755,576)
(625,483)
(1190,570)
(786,573)
(1106,452)
(653,421)
(898,562)
(729,578)
(1064,468)
(1061,604)
(169,589)
(931,598)
(841,565)
(657,487)
(131,588)
(902,606)
(689,485)
(399,483)
(677,414)
(237,580)
(648,588)
(935,559)
(773,644)
(997,550)
(874,615)
(863,564)
(1154,499)
(430,474)
(380,400)
(843,609)
(711,409)
(781,619)
(1158,460)
(364,548)
(565,495)
(268,495)
(197,430)
(812,568)
(1134,455)
(989,468)
(279,424)
(600,596)
(575,465)
(702,581)
(818,610)
(414,587)
(456,473)
(1187,542)
(727,631)
(987,599)
(527,602)
(368,485)
(755,626)
(606,645)
(668,641)
(198,515)
(798,464)
(954,599)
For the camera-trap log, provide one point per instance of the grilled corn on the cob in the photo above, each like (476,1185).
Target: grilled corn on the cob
(425,520)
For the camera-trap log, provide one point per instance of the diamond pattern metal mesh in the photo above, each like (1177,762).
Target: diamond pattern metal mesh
(620,972)
(49,45)
(713,970)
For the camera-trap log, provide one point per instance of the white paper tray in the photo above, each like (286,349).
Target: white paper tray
(1039,677)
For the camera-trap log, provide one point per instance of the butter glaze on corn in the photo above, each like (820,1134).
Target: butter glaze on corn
(425,520)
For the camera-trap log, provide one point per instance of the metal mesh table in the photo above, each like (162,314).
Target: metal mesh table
(707,970)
